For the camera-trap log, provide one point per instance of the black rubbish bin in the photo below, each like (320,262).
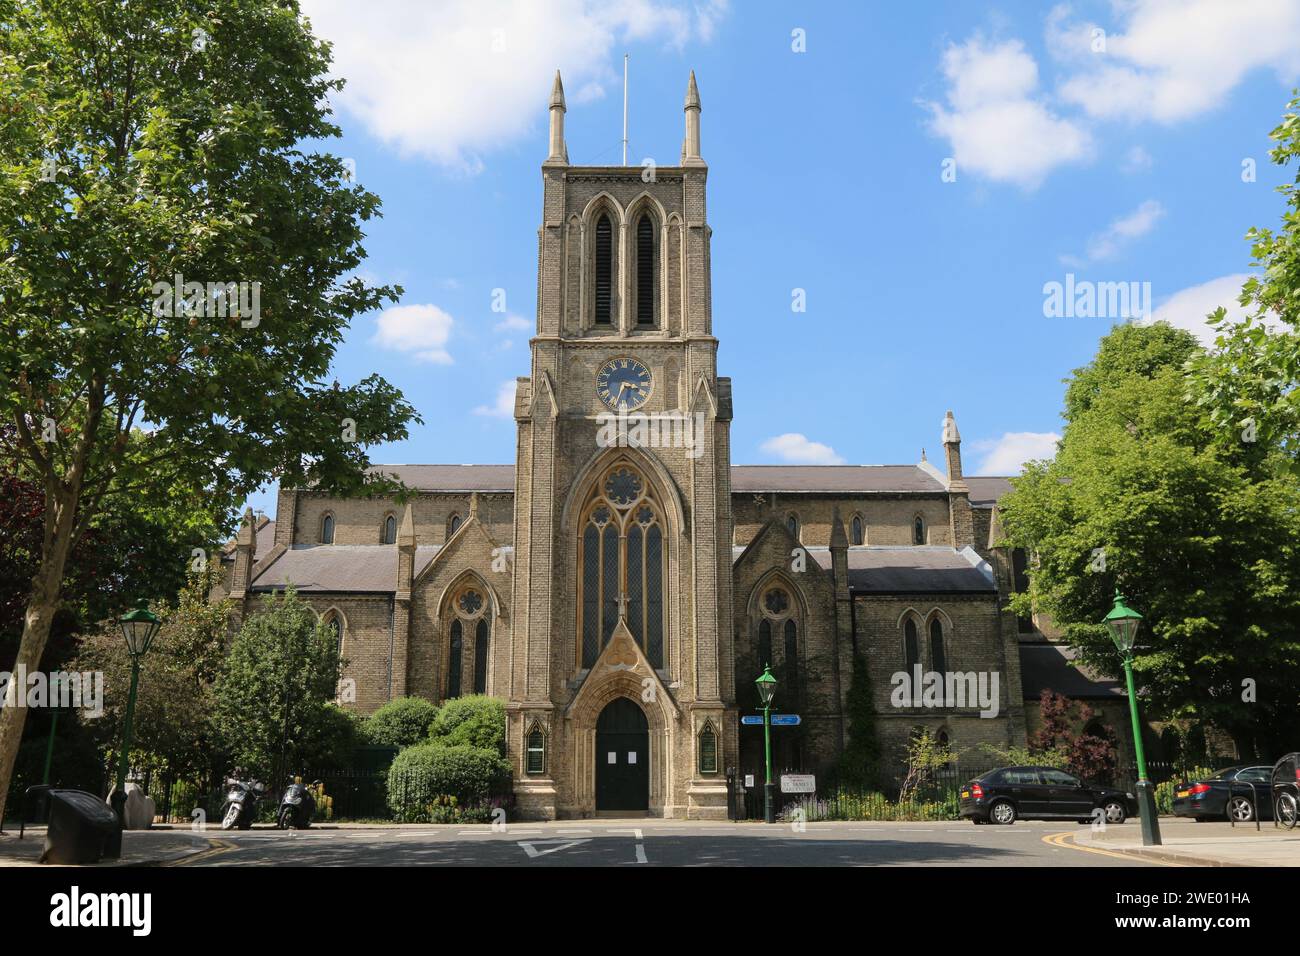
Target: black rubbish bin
(82,828)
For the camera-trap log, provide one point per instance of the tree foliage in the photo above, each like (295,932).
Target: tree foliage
(161,142)
(1203,538)
(1250,382)
(273,696)
(400,722)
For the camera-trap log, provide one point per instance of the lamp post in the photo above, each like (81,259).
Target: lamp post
(766,689)
(139,627)
(1123,622)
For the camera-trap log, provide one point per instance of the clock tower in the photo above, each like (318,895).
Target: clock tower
(620,686)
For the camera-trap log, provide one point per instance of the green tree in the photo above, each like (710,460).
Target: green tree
(1250,382)
(1201,537)
(141,142)
(860,763)
(171,729)
(275,688)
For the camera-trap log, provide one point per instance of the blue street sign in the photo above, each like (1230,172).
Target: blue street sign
(747,719)
(778,720)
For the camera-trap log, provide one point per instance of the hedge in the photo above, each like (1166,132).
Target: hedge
(400,723)
(475,721)
(430,776)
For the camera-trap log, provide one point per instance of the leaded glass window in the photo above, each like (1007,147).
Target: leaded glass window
(708,762)
(481,656)
(327,529)
(535,749)
(858,535)
(454,659)
(918,530)
(390,530)
(911,648)
(791,660)
(938,660)
(621,566)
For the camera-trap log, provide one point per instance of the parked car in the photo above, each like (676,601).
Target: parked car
(1231,794)
(1286,790)
(1041,793)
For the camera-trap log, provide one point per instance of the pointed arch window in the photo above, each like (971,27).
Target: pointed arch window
(604,284)
(911,647)
(938,659)
(327,529)
(792,524)
(453,524)
(480,656)
(708,749)
(858,532)
(454,658)
(622,569)
(334,624)
(535,750)
(918,530)
(645,270)
(764,643)
(390,530)
(791,661)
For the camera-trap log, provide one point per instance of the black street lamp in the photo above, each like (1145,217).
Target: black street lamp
(766,685)
(139,627)
(1123,622)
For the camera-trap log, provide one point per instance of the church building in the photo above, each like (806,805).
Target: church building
(622,584)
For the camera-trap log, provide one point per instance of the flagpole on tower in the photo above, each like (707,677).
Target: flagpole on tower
(624,109)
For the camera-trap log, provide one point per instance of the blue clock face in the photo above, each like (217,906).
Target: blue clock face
(623,384)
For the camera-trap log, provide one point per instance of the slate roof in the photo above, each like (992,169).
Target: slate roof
(832,478)
(745,479)
(917,570)
(1045,666)
(985,491)
(333,567)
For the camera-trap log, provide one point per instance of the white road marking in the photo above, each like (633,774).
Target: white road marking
(534,853)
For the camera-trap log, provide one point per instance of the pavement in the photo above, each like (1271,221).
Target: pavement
(1188,843)
(654,842)
(159,847)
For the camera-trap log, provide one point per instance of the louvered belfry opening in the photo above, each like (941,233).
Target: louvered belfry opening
(645,271)
(604,271)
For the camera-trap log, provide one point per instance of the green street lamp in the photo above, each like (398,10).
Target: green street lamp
(1123,622)
(766,690)
(139,627)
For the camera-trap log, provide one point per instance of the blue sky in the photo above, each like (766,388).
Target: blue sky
(1106,140)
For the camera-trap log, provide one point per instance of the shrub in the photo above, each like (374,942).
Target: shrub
(400,723)
(474,721)
(423,777)
(853,805)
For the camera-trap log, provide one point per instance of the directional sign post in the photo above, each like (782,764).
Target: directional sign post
(778,720)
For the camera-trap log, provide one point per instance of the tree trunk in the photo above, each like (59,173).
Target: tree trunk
(42,602)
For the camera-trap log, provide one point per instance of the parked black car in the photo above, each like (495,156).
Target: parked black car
(1231,794)
(1041,793)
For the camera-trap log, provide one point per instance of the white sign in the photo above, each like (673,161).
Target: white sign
(631,756)
(612,757)
(798,783)
(749,781)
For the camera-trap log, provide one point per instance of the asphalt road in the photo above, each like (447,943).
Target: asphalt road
(658,843)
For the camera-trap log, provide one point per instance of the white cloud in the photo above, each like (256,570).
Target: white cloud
(1008,454)
(798,449)
(512,323)
(1187,308)
(1108,243)
(1137,160)
(995,123)
(1175,59)
(503,406)
(422,330)
(451,80)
